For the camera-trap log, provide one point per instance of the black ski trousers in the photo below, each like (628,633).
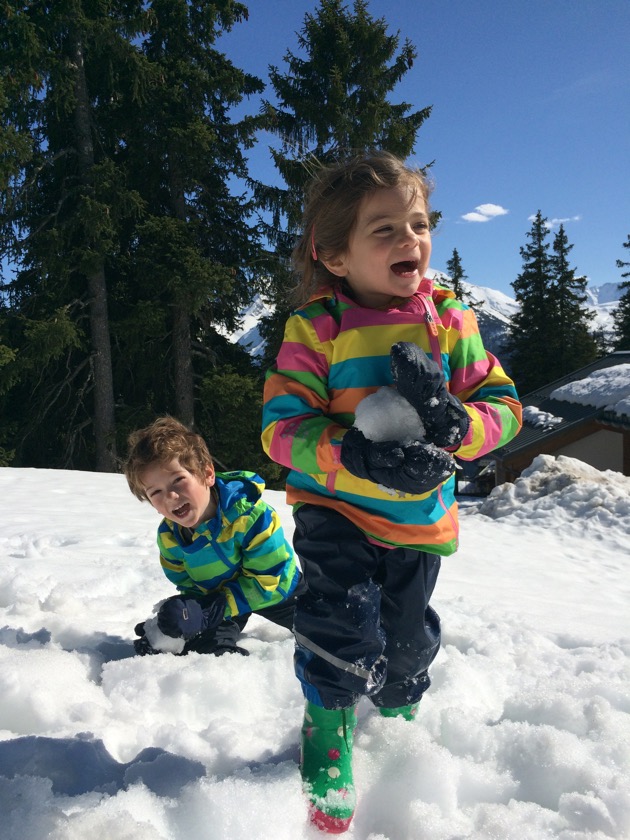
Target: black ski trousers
(364,626)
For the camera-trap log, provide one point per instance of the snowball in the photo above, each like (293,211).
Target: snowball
(386,415)
(158,640)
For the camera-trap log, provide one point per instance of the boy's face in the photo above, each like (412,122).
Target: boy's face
(389,249)
(178,494)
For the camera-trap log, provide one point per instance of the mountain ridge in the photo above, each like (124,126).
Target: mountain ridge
(494,309)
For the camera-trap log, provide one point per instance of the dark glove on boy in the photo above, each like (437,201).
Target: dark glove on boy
(142,646)
(184,617)
(222,640)
(411,468)
(421,383)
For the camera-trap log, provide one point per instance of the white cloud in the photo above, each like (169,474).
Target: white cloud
(475,217)
(550,224)
(491,210)
(485,213)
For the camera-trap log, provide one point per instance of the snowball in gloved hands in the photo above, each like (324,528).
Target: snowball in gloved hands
(152,641)
(421,383)
(386,415)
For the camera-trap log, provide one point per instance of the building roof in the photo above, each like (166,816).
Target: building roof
(562,414)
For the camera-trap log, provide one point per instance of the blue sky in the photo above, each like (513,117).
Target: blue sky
(531,111)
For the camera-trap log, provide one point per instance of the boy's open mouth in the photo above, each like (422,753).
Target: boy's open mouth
(182,511)
(404,267)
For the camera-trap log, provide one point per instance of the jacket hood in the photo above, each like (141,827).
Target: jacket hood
(238,484)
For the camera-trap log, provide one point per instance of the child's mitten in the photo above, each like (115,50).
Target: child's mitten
(409,468)
(421,383)
(185,617)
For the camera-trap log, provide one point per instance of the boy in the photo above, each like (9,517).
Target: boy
(220,544)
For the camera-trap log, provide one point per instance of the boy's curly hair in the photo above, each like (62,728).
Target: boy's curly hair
(159,443)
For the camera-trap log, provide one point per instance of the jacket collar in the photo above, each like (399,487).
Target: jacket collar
(334,293)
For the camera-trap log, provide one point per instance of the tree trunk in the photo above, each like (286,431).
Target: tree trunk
(182,349)
(182,361)
(104,416)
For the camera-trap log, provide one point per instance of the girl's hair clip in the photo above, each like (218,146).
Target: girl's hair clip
(313,249)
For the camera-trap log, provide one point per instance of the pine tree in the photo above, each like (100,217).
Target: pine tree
(532,326)
(333,100)
(456,277)
(551,334)
(63,201)
(622,312)
(571,344)
(117,199)
(192,255)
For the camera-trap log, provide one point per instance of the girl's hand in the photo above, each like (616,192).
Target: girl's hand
(420,381)
(414,468)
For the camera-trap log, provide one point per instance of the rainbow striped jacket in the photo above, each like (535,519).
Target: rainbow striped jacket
(334,354)
(242,551)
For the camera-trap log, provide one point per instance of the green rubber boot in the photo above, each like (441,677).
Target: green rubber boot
(326,766)
(407,712)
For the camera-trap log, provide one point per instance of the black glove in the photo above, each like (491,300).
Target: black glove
(142,646)
(421,383)
(426,466)
(411,468)
(185,617)
(220,641)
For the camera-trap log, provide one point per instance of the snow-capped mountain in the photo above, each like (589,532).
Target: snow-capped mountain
(248,334)
(494,311)
(600,295)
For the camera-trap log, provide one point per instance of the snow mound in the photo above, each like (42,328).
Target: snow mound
(565,488)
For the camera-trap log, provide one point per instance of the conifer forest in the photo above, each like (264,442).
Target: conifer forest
(132,233)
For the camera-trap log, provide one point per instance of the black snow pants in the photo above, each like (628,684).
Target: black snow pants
(364,626)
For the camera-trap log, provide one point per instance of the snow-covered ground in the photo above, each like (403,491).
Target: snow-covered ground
(524,735)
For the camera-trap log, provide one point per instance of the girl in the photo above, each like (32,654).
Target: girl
(372,518)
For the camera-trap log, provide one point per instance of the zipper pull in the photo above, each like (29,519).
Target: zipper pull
(431,323)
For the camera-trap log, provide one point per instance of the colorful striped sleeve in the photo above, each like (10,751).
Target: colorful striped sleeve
(268,567)
(296,431)
(477,378)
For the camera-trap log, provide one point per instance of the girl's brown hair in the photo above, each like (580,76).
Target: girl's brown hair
(159,443)
(331,209)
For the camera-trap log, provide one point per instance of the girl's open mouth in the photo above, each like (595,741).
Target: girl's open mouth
(405,267)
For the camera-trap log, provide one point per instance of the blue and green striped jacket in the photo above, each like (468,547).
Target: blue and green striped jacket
(241,552)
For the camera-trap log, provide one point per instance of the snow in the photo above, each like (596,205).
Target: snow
(496,303)
(386,415)
(525,732)
(248,334)
(540,419)
(608,388)
(157,639)
(606,293)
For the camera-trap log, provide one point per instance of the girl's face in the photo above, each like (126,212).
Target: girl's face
(389,248)
(178,494)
